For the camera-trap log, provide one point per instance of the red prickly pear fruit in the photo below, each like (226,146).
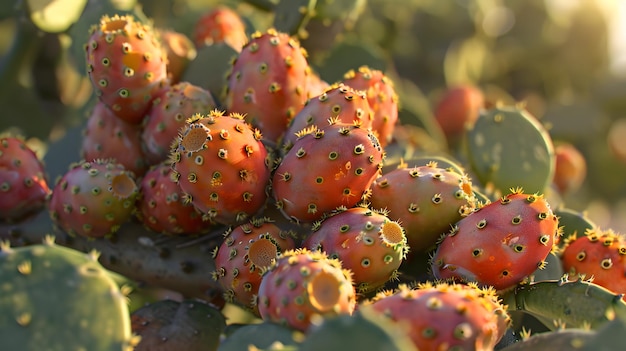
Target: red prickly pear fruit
(427,200)
(445,316)
(570,168)
(301,285)
(268,81)
(108,137)
(220,25)
(326,169)
(126,65)
(382,97)
(160,205)
(366,242)
(168,114)
(458,109)
(222,166)
(339,102)
(93,199)
(23,184)
(179,50)
(246,252)
(500,244)
(600,255)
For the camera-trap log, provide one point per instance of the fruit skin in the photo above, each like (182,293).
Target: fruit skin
(599,255)
(500,243)
(168,114)
(458,109)
(245,253)
(222,166)
(426,199)
(366,242)
(108,137)
(23,184)
(179,50)
(160,205)
(302,284)
(339,102)
(326,169)
(440,316)
(220,25)
(571,168)
(268,82)
(382,97)
(126,65)
(93,199)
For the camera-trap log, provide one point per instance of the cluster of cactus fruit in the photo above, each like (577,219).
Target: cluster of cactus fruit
(282,197)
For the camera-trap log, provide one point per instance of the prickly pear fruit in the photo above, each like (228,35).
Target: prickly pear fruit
(268,82)
(93,198)
(246,252)
(301,285)
(599,255)
(180,51)
(426,199)
(222,166)
(444,316)
(167,115)
(366,242)
(500,243)
(220,25)
(457,109)
(23,184)
(107,137)
(326,168)
(160,205)
(571,168)
(126,65)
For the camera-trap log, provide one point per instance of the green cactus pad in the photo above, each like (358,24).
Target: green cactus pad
(574,223)
(55,16)
(262,336)
(508,148)
(292,15)
(562,340)
(55,298)
(210,67)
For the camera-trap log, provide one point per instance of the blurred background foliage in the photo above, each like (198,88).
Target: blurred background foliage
(565,59)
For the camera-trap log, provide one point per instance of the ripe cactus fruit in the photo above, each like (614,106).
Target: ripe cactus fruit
(167,115)
(339,102)
(126,65)
(326,169)
(600,255)
(268,82)
(366,242)
(23,184)
(160,205)
(107,137)
(499,244)
(179,50)
(382,97)
(458,109)
(222,166)
(571,168)
(220,25)
(246,252)
(302,284)
(426,199)
(445,316)
(94,198)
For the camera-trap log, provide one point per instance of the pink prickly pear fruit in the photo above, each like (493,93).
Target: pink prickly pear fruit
(339,102)
(445,316)
(500,244)
(220,25)
(458,110)
(382,97)
(93,199)
(126,65)
(222,166)
(427,200)
(268,82)
(246,252)
(570,168)
(301,285)
(108,137)
(179,50)
(366,242)
(168,114)
(160,205)
(326,169)
(23,184)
